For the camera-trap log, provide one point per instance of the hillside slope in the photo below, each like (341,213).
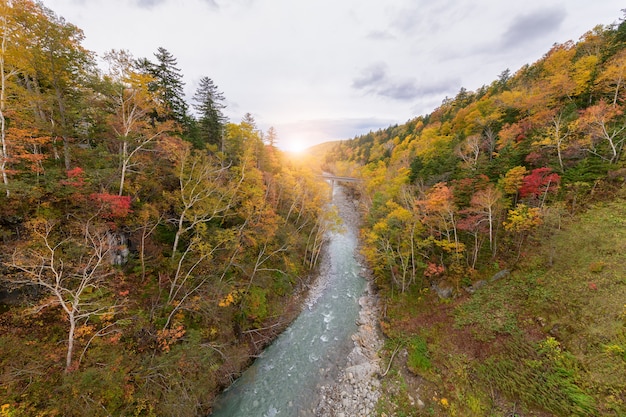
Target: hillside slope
(550,339)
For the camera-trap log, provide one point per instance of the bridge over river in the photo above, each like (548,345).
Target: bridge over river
(334,178)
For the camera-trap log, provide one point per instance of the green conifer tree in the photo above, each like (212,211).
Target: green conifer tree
(209,103)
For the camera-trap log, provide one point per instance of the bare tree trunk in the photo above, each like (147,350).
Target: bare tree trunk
(123,167)
(4,156)
(70,342)
(616,95)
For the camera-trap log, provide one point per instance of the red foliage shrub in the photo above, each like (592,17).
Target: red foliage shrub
(538,182)
(75,178)
(112,206)
(433,270)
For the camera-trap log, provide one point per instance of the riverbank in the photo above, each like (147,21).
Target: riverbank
(356,388)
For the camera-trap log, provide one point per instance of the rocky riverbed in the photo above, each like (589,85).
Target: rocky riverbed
(357,388)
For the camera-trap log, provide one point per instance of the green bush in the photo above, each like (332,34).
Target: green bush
(418,359)
(255,304)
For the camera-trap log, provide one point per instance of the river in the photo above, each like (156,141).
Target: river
(285,379)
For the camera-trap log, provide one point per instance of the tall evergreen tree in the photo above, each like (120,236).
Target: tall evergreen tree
(209,103)
(168,87)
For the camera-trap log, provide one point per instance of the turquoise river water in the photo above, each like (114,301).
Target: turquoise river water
(284,381)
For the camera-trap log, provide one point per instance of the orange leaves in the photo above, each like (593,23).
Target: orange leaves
(172,148)
(25,146)
(511,134)
(84,330)
(439,199)
(603,130)
(434,270)
(598,115)
(230,298)
(558,66)
(167,337)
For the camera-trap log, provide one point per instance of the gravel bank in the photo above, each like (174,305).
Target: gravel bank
(357,388)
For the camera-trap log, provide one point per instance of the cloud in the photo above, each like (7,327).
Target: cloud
(380,35)
(149,4)
(371,76)
(538,23)
(410,89)
(401,90)
(425,16)
(376,80)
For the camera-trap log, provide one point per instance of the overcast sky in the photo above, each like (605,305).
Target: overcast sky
(321,70)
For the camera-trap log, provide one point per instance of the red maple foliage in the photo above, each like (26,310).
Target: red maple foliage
(112,206)
(75,178)
(539,182)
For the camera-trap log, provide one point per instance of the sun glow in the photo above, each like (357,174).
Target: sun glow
(296,145)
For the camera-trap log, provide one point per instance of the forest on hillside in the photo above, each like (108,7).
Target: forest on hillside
(470,182)
(486,187)
(147,251)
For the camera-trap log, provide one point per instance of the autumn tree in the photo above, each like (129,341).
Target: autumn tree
(603,126)
(20,136)
(557,81)
(63,67)
(612,79)
(132,104)
(513,180)
(204,195)
(271,162)
(487,203)
(71,267)
(520,222)
(469,150)
(556,134)
(6,72)
(539,184)
(394,242)
(440,213)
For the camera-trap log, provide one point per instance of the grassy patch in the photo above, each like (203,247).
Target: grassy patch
(418,359)
(542,375)
(549,340)
(489,312)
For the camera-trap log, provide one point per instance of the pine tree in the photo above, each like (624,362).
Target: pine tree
(168,87)
(209,104)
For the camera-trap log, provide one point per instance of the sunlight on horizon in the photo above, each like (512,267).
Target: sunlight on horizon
(297,146)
